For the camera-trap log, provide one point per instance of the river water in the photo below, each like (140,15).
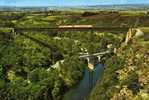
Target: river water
(86,85)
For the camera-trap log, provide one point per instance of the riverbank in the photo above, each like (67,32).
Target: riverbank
(83,89)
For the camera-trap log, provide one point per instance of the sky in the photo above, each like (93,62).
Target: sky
(68,2)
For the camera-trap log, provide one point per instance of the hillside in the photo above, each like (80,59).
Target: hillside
(126,75)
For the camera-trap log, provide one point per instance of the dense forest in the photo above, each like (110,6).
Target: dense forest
(46,65)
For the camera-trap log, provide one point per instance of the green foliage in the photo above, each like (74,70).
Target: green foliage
(124,75)
(33,53)
(71,70)
(26,61)
(29,77)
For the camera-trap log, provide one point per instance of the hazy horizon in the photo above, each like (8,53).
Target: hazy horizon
(38,3)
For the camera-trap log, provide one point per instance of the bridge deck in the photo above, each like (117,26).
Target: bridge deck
(95,54)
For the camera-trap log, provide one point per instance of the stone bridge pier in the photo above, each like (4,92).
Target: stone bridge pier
(92,61)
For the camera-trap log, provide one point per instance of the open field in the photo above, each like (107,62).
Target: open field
(49,19)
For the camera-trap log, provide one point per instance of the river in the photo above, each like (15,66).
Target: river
(86,85)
